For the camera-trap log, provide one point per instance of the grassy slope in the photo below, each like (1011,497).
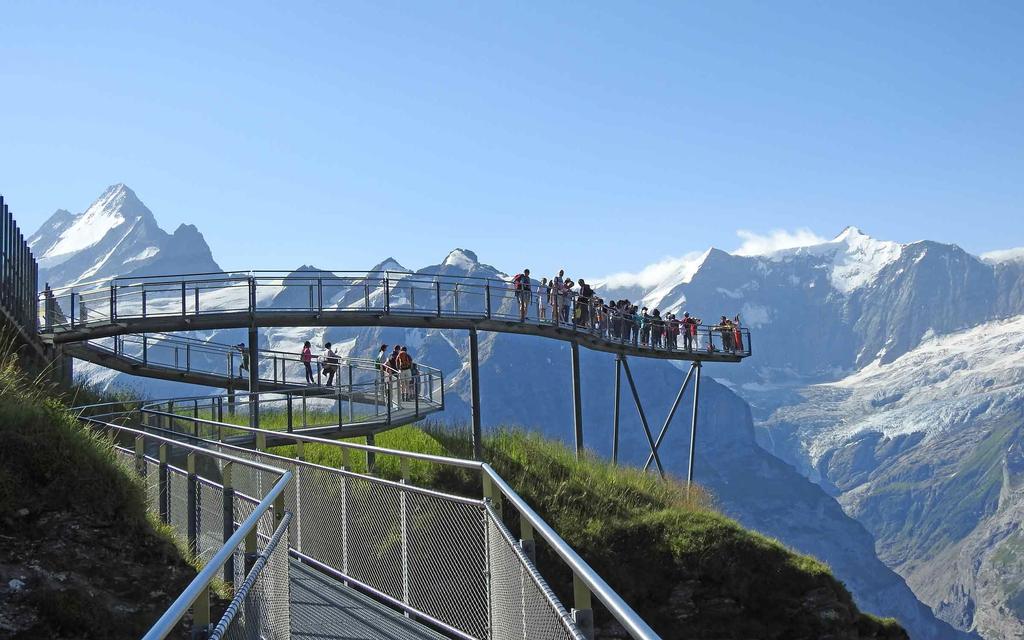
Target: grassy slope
(688,570)
(73,527)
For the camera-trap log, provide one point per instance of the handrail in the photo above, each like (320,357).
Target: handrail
(621,611)
(243,592)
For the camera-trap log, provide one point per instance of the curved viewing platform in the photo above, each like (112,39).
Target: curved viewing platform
(206,301)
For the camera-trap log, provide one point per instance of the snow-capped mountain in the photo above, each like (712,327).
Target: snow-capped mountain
(926,452)
(116,235)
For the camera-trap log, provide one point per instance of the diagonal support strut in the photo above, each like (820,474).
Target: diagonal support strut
(643,418)
(671,414)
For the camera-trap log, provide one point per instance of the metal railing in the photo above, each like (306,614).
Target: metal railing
(192,355)
(378,293)
(447,560)
(238,537)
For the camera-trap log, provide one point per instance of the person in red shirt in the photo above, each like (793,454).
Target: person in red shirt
(307,361)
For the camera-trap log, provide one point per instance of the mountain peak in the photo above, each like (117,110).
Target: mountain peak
(461,258)
(389,264)
(850,233)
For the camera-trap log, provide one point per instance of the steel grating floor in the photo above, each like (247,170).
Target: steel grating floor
(325,609)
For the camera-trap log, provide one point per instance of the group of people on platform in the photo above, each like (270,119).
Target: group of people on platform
(618,320)
(397,365)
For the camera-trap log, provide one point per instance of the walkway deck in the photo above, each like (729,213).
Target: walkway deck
(325,609)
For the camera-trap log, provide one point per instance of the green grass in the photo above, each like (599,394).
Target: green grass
(688,570)
(68,509)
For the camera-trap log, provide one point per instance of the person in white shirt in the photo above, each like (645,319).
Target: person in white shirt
(330,361)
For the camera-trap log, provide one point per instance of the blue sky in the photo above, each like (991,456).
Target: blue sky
(596,136)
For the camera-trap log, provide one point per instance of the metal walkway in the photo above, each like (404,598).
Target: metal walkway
(323,608)
(334,299)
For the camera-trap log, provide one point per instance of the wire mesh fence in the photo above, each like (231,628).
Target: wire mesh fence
(522,605)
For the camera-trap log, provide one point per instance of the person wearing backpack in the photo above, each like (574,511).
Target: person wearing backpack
(645,327)
(521,283)
(330,362)
(404,362)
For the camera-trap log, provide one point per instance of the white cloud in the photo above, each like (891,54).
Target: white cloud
(755,244)
(1004,255)
(681,268)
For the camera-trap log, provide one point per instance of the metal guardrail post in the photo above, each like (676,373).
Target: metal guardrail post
(320,293)
(493,495)
(437,289)
(143,300)
(195,310)
(351,417)
(48,308)
(371,457)
(188,357)
(71,316)
(387,296)
(145,350)
(344,509)
(140,456)
(113,302)
(404,529)
(487,298)
(192,504)
(261,440)
(183,304)
(526,540)
(288,408)
(582,609)
(229,517)
(163,486)
(201,615)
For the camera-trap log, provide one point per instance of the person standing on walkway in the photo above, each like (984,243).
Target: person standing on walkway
(404,362)
(521,283)
(307,361)
(542,299)
(689,330)
(567,296)
(245,359)
(381,360)
(330,361)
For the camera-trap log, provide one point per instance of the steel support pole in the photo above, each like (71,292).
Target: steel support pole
(254,377)
(474,383)
(693,424)
(577,401)
(671,414)
(643,418)
(615,410)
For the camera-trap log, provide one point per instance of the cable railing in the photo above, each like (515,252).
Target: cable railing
(450,561)
(238,537)
(322,293)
